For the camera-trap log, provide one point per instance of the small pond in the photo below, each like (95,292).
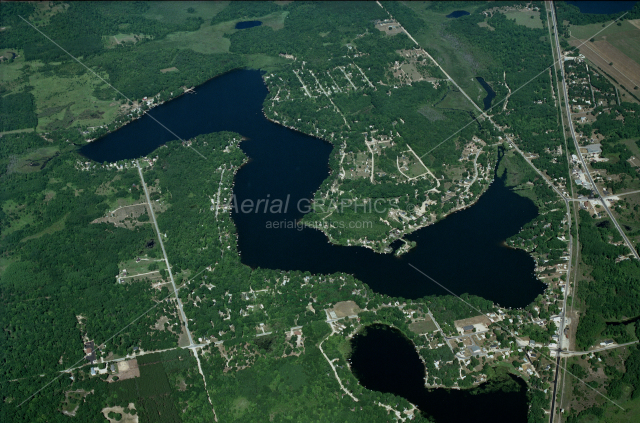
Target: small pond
(458,13)
(247,24)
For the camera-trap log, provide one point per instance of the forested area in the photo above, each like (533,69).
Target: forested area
(58,272)
(80,28)
(17,111)
(612,292)
(339,22)
(298,388)
(136,72)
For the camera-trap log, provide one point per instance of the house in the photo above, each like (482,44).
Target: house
(89,351)
(591,149)
(474,349)
(468,328)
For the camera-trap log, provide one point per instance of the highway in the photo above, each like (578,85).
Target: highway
(575,139)
(555,40)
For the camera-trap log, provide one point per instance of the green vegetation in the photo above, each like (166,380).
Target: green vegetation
(609,296)
(332,74)
(17,111)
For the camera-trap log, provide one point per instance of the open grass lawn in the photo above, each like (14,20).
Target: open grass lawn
(586,32)
(423,326)
(207,40)
(528,18)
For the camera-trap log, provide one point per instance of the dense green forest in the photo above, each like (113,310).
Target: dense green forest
(17,111)
(611,293)
(80,28)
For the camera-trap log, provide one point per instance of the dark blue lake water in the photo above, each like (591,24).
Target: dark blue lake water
(384,360)
(490,93)
(603,7)
(464,252)
(247,24)
(458,13)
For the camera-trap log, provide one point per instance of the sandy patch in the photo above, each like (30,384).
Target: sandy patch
(480,323)
(124,412)
(128,369)
(635,22)
(346,308)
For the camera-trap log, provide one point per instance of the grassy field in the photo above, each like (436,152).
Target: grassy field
(207,40)
(625,37)
(16,131)
(460,61)
(114,40)
(586,32)
(33,161)
(57,226)
(210,39)
(630,414)
(22,219)
(177,12)
(60,101)
(528,18)
(456,100)
(632,145)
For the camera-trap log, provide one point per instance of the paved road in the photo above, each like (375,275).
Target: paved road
(609,347)
(166,259)
(577,145)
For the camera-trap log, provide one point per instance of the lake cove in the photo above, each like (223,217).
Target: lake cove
(384,360)
(464,252)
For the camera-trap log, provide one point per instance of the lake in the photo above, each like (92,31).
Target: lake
(384,360)
(603,7)
(465,252)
